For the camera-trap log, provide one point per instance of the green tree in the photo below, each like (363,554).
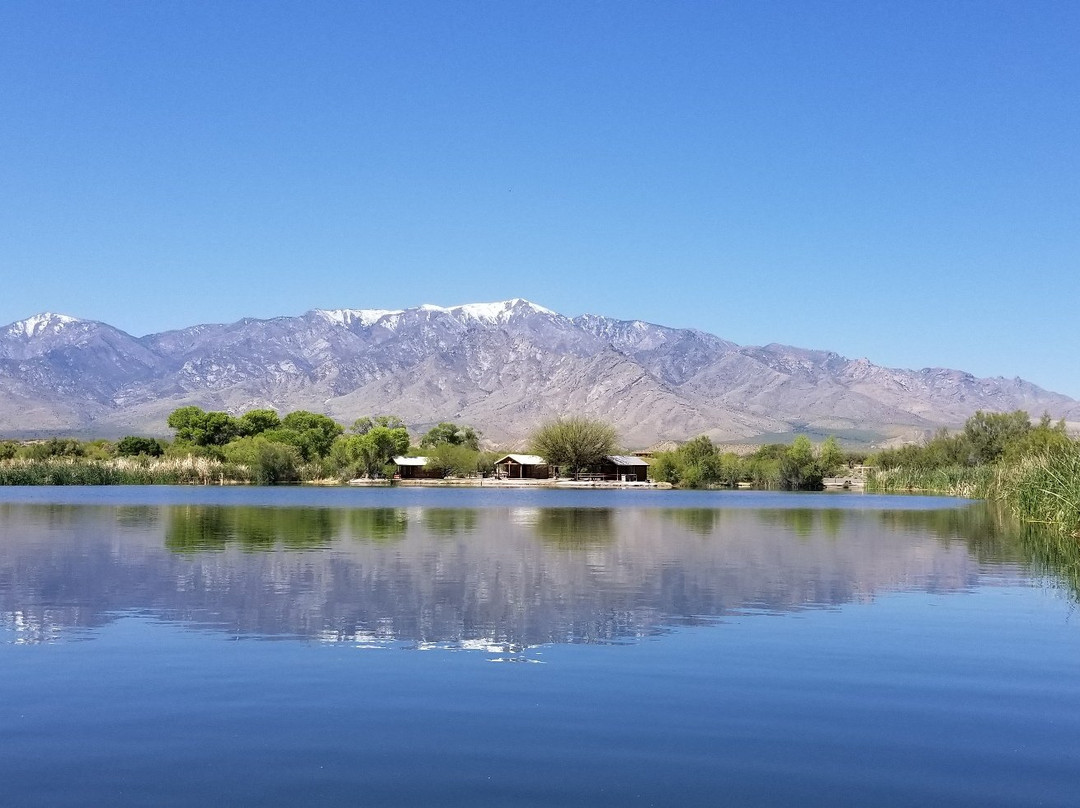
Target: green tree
(452,434)
(988,434)
(270,463)
(311,434)
(830,457)
(574,444)
(361,426)
(133,445)
(255,422)
(453,460)
(370,454)
(196,427)
(798,468)
(53,447)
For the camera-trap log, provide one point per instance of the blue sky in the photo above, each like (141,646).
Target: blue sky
(895,180)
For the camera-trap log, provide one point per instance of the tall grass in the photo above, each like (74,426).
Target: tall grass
(1043,488)
(121,471)
(954,481)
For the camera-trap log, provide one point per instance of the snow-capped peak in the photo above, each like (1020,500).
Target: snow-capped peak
(498,312)
(491,313)
(346,317)
(40,324)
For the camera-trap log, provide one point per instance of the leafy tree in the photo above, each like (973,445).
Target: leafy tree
(311,433)
(988,434)
(831,457)
(372,453)
(133,445)
(8,449)
(270,463)
(361,426)
(453,460)
(798,468)
(574,444)
(255,422)
(53,447)
(452,434)
(196,427)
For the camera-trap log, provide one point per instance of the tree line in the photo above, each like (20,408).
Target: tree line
(698,463)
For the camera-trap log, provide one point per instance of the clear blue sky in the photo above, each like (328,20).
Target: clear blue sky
(896,180)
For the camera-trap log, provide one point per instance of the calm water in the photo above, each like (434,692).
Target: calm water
(240,646)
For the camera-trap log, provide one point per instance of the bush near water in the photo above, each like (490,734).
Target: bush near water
(1033,469)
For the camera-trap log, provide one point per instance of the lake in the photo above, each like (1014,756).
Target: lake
(398,647)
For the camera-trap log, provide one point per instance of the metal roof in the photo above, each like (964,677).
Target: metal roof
(410,461)
(524,460)
(627,460)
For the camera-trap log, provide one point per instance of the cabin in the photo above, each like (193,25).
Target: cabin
(523,467)
(623,468)
(414,468)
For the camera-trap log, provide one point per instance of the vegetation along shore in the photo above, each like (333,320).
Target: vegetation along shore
(1032,468)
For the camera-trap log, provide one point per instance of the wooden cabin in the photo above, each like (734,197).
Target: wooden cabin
(414,468)
(623,468)
(523,467)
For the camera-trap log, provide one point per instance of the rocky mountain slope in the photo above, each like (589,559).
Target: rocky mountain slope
(503,367)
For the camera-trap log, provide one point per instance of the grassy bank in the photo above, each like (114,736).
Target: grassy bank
(121,471)
(1042,488)
(952,481)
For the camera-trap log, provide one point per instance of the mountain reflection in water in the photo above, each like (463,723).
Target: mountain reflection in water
(472,577)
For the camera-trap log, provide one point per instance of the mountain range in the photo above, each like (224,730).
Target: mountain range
(502,367)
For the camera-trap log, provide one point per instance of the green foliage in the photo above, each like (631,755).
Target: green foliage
(361,426)
(8,449)
(199,428)
(453,460)
(121,471)
(831,457)
(698,464)
(955,481)
(133,445)
(1044,438)
(53,447)
(255,422)
(986,439)
(372,453)
(314,433)
(268,463)
(1044,487)
(799,469)
(574,444)
(988,434)
(452,434)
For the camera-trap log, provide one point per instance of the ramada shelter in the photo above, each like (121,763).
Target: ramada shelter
(624,468)
(523,467)
(414,468)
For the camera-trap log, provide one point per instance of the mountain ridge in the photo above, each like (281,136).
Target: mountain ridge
(503,367)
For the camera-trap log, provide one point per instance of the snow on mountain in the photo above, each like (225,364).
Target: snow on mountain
(40,324)
(349,317)
(503,367)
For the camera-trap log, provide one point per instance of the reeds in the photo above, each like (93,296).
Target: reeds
(1043,488)
(122,471)
(955,481)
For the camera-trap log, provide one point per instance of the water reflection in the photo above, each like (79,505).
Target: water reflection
(483,578)
(198,528)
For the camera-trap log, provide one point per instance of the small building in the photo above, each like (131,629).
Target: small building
(522,467)
(624,468)
(414,468)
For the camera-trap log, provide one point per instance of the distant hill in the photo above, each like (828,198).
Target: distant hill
(502,367)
